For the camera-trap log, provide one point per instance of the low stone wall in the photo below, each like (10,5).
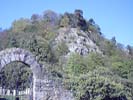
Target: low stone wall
(8,92)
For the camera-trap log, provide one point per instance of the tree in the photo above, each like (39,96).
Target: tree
(78,13)
(15,76)
(76,65)
(97,85)
(130,50)
(20,25)
(3,39)
(120,46)
(35,18)
(81,22)
(40,48)
(113,40)
(64,21)
(91,21)
(51,17)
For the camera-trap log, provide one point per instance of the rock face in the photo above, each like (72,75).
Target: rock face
(43,89)
(77,41)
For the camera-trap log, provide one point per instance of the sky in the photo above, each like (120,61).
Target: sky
(115,17)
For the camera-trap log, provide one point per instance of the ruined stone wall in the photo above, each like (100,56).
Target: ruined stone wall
(43,89)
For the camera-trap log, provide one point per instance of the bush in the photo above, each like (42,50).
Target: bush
(90,78)
(60,50)
(97,85)
(78,64)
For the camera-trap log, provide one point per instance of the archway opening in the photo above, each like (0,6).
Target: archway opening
(16,80)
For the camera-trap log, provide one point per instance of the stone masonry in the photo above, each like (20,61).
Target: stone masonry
(43,89)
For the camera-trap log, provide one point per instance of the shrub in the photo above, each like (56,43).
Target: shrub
(97,85)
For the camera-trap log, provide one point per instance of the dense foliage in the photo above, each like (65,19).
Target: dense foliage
(15,76)
(91,77)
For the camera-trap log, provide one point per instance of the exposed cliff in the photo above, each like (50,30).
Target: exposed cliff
(77,41)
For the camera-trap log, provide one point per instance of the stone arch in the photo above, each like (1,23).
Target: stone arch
(16,54)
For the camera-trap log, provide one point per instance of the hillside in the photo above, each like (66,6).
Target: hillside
(76,54)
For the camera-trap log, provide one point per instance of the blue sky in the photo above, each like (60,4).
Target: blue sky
(115,17)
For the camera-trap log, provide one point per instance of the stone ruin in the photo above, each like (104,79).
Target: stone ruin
(43,89)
